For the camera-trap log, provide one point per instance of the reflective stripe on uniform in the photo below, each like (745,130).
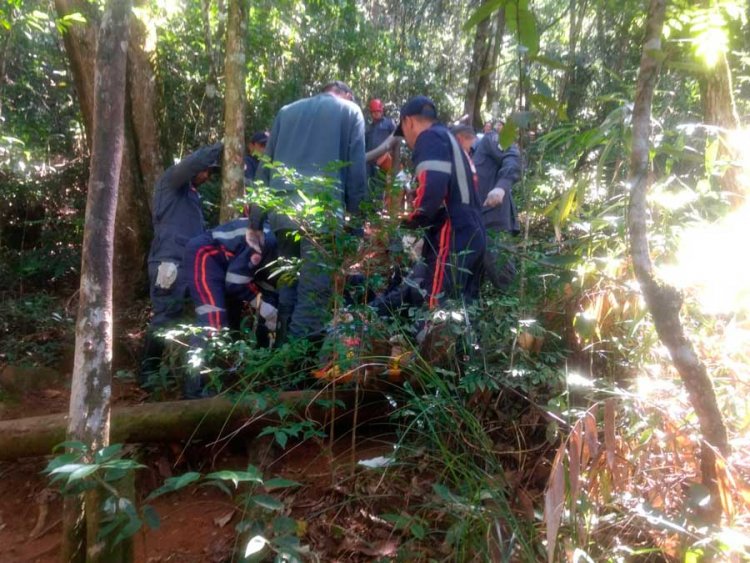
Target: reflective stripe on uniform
(434,166)
(237,278)
(206,309)
(463,182)
(226,235)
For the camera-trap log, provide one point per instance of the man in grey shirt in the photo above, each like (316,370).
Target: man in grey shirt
(308,136)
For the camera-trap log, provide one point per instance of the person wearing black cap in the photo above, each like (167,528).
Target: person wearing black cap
(255,147)
(308,136)
(177,217)
(446,205)
(498,170)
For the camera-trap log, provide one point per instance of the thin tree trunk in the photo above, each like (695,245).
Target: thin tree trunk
(719,110)
(478,65)
(663,301)
(232,170)
(492,90)
(92,370)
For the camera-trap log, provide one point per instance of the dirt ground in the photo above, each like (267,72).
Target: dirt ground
(197,524)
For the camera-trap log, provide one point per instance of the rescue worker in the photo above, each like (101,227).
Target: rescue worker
(308,135)
(498,170)
(466,137)
(255,148)
(446,204)
(223,273)
(378,130)
(177,217)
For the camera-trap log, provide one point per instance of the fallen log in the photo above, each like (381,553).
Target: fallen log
(187,420)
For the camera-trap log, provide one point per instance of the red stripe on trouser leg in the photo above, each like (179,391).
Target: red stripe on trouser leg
(421,183)
(442,257)
(214,319)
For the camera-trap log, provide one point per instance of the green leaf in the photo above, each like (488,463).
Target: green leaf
(237,477)
(82,472)
(508,134)
(712,151)
(152,517)
(107,452)
(174,484)
(70,444)
(483,12)
(281,438)
(267,501)
(280,483)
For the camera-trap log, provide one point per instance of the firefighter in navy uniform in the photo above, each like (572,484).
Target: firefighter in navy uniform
(177,217)
(223,273)
(255,147)
(447,205)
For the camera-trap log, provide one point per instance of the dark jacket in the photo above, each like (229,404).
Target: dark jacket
(308,136)
(446,188)
(176,213)
(251,168)
(378,131)
(498,168)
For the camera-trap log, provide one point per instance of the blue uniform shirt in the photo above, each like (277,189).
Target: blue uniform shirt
(177,214)
(498,168)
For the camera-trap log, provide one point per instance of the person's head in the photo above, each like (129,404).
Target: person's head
(487,127)
(417,115)
(465,136)
(376,109)
(204,175)
(499,124)
(257,144)
(339,89)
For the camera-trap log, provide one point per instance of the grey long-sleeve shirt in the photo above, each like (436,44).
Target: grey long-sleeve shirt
(498,168)
(310,134)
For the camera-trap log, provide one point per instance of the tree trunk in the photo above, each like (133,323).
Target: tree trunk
(211,100)
(142,159)
(92,370)
(664,301)
(478,66)
(232,170)
(719,110)
(209,419)
(492,89)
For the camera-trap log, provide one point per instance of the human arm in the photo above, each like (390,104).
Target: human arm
(184,171)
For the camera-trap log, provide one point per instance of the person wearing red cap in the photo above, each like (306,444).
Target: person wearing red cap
(378,130)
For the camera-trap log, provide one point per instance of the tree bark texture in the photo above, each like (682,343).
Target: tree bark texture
(493,93)
(209,419)
(233,164)
(142,158)
(479,63)
(92,368)
(719,110)
(664,301)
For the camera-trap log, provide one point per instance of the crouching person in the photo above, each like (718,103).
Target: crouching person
(224,273)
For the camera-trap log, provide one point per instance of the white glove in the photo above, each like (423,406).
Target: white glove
(269,314)
(413,245)
(495,197)
(255,240)
(166,275)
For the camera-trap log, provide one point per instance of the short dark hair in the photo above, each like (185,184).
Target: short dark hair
(338,87)
(463,130)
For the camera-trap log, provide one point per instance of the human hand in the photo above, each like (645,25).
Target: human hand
(255,240)
(495,197)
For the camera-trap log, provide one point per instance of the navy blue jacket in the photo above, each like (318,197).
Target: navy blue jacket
(308,136)
(377,132)
(251,168)
(176,213)
(445,190)
(498,168)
